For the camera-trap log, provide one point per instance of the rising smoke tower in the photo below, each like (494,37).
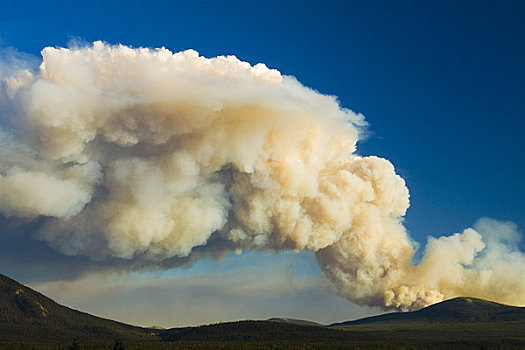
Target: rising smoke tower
(144,155)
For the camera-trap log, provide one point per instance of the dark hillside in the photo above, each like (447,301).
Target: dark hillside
(457,310)
(255,331)
(26,315)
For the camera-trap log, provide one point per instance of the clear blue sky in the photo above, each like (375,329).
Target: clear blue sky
(441,83)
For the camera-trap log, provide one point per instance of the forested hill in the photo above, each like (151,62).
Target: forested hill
(457,310)
(26,315)
(256,331)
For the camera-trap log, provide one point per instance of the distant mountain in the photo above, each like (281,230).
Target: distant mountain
(295,321)
(28,316)
(255,331)
(457,310)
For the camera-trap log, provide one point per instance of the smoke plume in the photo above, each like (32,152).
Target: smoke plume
(145,155)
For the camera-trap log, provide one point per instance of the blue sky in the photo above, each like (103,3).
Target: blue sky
(441,83)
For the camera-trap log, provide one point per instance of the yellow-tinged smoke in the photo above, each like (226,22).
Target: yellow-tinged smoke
(144,154)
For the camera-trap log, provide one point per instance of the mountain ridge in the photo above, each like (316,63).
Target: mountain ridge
(460,309)
(30,317)
(25,313)
(295,321)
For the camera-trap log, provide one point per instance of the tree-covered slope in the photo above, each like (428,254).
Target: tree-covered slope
(255,331)
(26,315)
(457,310)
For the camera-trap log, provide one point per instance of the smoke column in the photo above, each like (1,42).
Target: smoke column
(144,155)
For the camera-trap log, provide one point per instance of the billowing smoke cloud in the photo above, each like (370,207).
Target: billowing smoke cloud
(145,155)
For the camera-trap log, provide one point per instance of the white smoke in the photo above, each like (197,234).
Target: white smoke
(143,154)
